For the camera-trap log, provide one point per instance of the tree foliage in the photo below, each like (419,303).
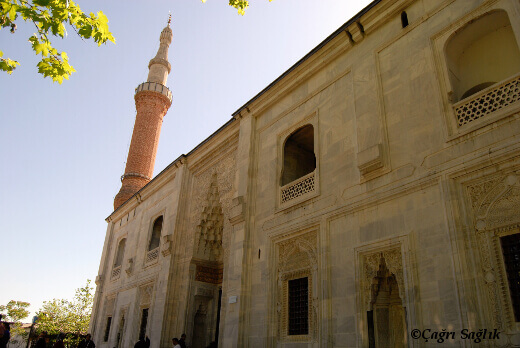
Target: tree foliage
(16,311)
(50,18)
(66,316)
(240,5)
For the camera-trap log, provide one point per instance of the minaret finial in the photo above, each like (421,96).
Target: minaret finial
(169,18)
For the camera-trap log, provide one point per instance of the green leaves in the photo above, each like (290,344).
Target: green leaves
(7,64)
(61,315)
(16,310)
(240,5)
(40,47)
(50,18)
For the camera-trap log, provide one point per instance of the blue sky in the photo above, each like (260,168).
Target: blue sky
(64,147)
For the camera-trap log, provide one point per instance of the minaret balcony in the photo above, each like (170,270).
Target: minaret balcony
(155,87)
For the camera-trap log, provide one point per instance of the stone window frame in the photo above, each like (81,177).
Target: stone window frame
(305,239)
(497,234)
(152,231)
(145,299)
(491,222)
(284,330)
(499,296)
(438,43)
(116,271)
(312,118)
(155,259)
(109,307)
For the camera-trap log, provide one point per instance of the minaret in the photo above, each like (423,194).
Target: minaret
(152,101)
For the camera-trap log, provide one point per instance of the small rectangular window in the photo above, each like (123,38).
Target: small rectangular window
(511,252)
(107,329)
(299,306)
(144,322)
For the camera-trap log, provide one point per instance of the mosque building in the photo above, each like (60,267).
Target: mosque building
(368,197)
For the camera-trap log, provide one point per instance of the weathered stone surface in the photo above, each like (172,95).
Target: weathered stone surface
(404,222)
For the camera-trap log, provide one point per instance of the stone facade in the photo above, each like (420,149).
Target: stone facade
(405,213)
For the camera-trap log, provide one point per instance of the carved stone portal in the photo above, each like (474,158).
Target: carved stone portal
(209,230)
(384,299)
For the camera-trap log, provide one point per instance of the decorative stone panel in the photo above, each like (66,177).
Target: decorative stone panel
(211,226)
(221,174)
(495,202)
(130,266)
(146,293)
(297,258)
(109,306)
(209,275)
(371,262)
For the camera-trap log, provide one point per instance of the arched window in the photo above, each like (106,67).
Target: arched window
(156,234)
(480,54)
(298,155)
(120,253)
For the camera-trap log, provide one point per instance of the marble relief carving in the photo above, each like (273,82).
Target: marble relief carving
(297,259)
(146,295)
(383,294)
(221,176)
(496,209)
(371,265)
(211,226)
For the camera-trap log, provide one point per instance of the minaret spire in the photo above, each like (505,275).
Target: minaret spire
(152,101)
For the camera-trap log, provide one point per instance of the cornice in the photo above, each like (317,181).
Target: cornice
(376,14)
(161,179)
(382,13)
(203,155)
(213,150)
(301,73)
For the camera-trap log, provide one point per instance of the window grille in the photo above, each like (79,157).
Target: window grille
(299,306)
(298,188)
(511,252)
(116,272)
(487,101)
(152,255)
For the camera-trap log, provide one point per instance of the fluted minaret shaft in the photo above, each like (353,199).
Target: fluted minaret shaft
(152,101)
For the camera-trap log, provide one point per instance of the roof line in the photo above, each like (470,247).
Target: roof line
(287,72)
(176,160)
(308,55)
